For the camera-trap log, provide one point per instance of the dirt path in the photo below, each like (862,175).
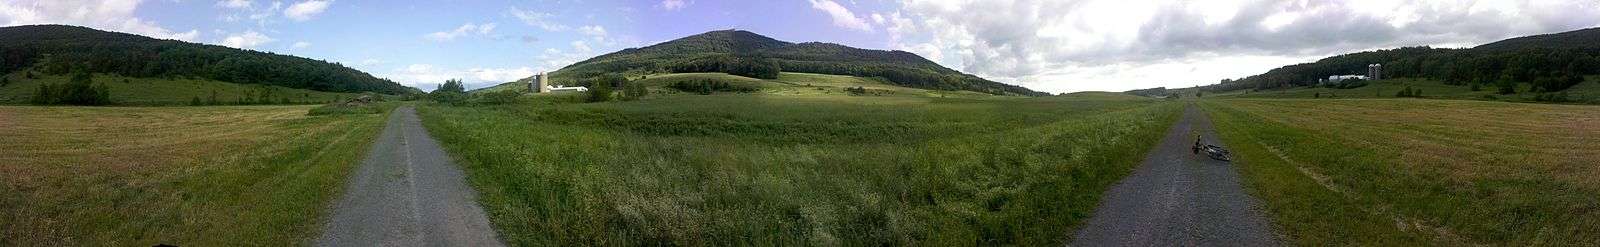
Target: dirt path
(407,192)
(1177,198)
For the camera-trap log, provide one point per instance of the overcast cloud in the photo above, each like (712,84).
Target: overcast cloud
(1116,45)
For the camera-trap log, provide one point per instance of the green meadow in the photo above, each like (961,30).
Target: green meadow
(1409,172)
(822,167)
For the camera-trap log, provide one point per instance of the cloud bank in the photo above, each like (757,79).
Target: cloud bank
(1117,45)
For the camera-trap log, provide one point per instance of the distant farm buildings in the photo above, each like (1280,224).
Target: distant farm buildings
(1374,72)
(1339,78)
(541,84)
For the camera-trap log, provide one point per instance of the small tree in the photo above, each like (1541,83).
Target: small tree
(599,91)
(194,101)
(1506,85)
(451,92)
(634,91)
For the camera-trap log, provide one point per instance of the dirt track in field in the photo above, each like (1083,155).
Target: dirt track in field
(1178,198)
(407,192)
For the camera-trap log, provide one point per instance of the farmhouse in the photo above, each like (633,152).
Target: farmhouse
(541,84)
(1339,78)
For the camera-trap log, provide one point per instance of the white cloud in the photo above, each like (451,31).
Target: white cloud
(673,4)
(304,11)
(464,30)
(428,77)
(537,19)
(300,45)
(112,15)
(592,30)
(246,40)
(234,4)
(842,16)
(1118,45)
(581,46)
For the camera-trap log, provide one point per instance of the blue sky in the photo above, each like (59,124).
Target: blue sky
(1053,46)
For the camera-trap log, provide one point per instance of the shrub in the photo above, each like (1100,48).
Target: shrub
(710,86)
(1552,97)
(499,97)
(634,91)
(337,108)
(856,90)
(80,90)
(599,91)
(451,92)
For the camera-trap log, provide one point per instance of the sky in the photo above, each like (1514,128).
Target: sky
(1046,45)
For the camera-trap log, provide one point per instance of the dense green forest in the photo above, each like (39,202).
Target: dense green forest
(1550,63)
(752,55)
(56,49)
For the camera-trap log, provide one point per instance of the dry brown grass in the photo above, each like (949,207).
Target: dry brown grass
(1446,172)
(183,175)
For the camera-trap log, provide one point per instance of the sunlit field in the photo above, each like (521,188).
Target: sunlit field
(762,169)
(1420,172)
(191,176)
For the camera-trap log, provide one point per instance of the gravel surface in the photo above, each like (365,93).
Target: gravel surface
(1178,198)
(407,192)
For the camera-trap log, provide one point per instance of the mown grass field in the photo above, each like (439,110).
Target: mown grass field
(189,176)
(1408,172)
(157,91)
(775,169)
(1587,92)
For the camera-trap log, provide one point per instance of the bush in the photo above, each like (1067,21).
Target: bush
(337,108)
(1409,92)
(599,91)
(856,90)
(499,97)
(634,91)
(711,86)
(81,90)
(451,92)
(1552,97)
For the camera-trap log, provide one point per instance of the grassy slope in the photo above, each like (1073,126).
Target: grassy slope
(1418,172)
(818,169)
(808,84)
(1587,92)
(201,176)
(156,91)
(787,83)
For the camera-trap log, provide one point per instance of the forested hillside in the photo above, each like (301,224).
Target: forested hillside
(1551,62)
(753,55)
(58,49)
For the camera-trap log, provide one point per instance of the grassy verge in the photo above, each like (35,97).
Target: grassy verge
(201,176)
(1418,172)
(797,170)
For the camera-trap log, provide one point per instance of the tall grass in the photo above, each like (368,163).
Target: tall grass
(192,176)
(787,170)
(1414,172)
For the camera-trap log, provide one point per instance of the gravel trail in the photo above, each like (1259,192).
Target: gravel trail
(1178,198)
(407,192)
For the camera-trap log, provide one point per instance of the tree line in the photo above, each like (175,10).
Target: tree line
(1546,69)
(55,49)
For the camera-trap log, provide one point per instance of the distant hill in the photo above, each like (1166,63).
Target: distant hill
(1549,62)
(753,55)
(1579,39)
(57,49)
